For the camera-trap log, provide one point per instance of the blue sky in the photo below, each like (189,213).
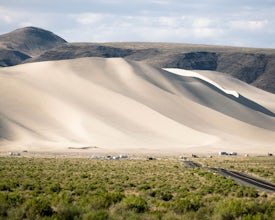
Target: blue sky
(249,23)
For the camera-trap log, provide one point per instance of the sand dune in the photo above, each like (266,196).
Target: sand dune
(261,97)
(124,106)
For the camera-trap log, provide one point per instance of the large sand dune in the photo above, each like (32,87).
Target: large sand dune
(124,106)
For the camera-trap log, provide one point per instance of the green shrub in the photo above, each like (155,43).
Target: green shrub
(69,213)
(55,187)
(228,209)
(144,187)
(243,209)
(11,199)
(100,202)
(41,188)
(166,196)
(38,207)
(104,200)
(16,213)
(184,205)
(28,186)
(84,175)
(115,197)
(4,187)
(3,209)
(247,192)
(96,215)
(136,203)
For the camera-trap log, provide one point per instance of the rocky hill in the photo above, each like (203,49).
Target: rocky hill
(25,43)
(251,65)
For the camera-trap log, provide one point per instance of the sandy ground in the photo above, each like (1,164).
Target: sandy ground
(102,154)
(116,106)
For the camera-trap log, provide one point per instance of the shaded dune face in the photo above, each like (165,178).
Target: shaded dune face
(114,103)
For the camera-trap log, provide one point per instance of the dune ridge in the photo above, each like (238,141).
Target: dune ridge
(129,106)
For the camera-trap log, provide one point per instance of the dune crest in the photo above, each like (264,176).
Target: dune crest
(129,106)
(189,73)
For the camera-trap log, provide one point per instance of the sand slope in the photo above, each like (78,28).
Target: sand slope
(128,106)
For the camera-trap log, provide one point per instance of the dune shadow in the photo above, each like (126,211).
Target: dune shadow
(183,81)
(17,123)
(241,100)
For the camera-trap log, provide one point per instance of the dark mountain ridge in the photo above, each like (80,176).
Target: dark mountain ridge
(25,43)
(253,65)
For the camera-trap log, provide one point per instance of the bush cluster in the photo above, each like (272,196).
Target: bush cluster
(130,189)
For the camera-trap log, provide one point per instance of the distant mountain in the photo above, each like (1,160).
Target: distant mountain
(25,43)
(11,57)
(251,65)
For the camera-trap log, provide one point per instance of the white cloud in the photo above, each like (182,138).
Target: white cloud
(201,22)
(19,18)
(112,1)
(161,2)
(6,17)
(167,21)
(207,32)
(88,18)
(250,25)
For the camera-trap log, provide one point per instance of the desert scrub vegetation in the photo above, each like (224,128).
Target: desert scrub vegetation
(124,189)
(262,166)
